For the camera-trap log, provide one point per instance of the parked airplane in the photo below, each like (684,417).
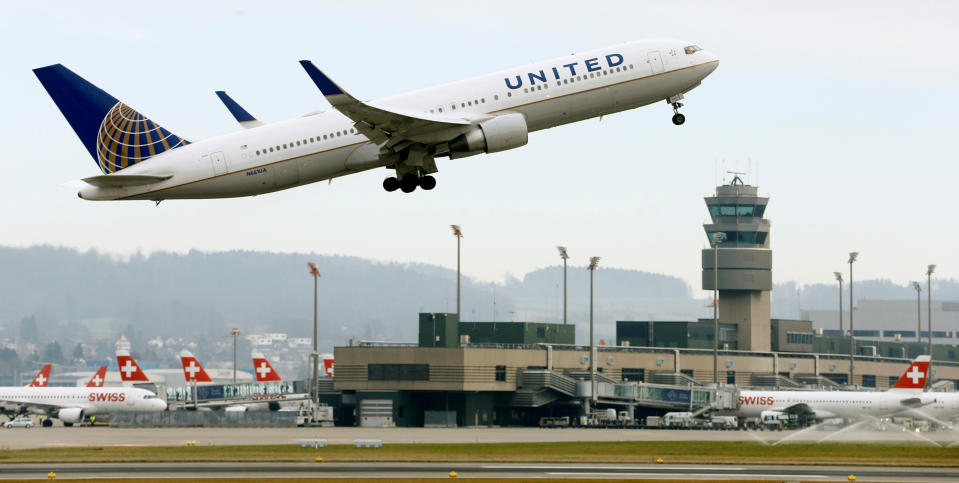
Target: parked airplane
(192,370)
(904,395)
(42,378)
(72,404)
(98,378)
(141,160)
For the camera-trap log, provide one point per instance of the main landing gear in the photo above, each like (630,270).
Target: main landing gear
(409,182)
(678,119)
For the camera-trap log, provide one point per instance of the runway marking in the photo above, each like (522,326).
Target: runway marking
(604,467)
(661,475)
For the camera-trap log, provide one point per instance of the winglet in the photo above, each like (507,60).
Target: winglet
(242,115)
(326,86)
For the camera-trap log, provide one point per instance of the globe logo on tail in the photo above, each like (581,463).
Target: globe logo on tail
(127,137)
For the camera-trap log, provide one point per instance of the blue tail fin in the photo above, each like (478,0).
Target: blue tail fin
(115,135)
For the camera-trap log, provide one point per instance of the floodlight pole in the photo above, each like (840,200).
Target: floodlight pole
(593,263)
(929,270)
(458,234)
(564,256)
(234,333)
(839,279)
(852,331)
(918,288)
(315,355)
(717,239)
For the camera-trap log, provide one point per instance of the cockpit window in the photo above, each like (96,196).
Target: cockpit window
(692,49)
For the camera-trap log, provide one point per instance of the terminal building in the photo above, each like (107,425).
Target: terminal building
(514,373)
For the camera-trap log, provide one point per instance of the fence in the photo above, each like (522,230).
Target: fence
(192,419)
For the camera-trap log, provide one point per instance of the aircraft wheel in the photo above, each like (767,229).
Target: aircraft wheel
(427,182)
(47,423)
(69,425)
(408,185)
(679,119)
(391,184)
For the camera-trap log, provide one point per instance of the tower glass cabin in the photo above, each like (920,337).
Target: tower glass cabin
(744,262)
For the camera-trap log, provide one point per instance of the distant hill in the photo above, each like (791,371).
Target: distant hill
(81,295)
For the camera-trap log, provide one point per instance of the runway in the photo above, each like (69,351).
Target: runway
(104,436)
(485,470)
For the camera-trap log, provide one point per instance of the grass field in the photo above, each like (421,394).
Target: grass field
(904,454)
(407,480)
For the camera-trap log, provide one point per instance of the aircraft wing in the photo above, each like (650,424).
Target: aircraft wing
(376,123)
(123,180)
(915,402)
(14,406)
(804,409)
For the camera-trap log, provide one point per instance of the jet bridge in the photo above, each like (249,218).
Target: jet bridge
(269,394)
(537,387)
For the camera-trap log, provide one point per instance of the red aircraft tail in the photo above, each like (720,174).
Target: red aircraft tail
(98,378)
(263,369)
(192,370)
(42,378)
(129,369)
(914,379)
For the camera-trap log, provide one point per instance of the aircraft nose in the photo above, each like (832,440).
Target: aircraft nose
(710,57)
(710,61)
(161,405)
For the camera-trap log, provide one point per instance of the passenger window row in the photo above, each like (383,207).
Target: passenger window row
(596,74)
(474,102)
(305,141)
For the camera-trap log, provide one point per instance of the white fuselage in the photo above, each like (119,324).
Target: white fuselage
(92,400)
(826,404)
(325,145)
(940,405)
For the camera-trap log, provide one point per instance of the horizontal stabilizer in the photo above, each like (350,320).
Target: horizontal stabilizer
(124,180)
(242,115)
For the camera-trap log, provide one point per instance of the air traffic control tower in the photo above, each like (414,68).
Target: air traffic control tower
(745,262)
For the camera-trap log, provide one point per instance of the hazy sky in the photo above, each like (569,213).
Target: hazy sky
(842,112)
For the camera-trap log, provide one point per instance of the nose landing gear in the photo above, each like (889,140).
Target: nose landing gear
(678,119)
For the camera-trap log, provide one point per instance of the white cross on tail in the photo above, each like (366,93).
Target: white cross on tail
(128,368)
(263,370)
(915,374)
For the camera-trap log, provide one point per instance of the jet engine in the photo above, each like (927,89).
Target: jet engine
(500,133)
(70,415)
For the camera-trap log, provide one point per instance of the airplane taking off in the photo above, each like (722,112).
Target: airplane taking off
(42,378)
(141,160)
(98,378)
(905,395)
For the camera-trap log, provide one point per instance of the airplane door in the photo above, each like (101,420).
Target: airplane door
(219,163)
(655,61)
